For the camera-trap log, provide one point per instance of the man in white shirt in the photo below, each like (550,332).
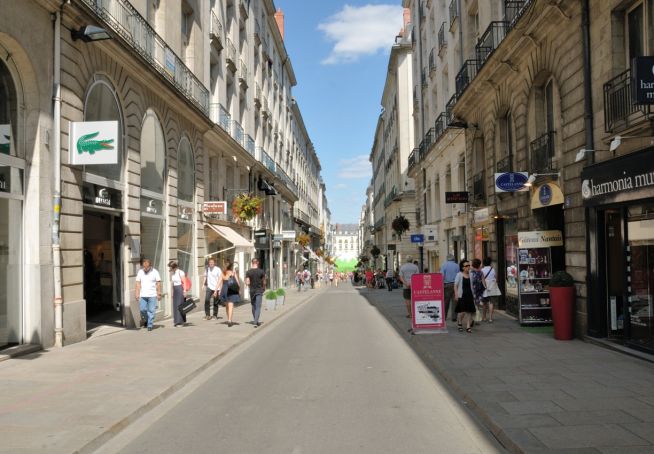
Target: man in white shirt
(406,271)
(148,292)
(211,278)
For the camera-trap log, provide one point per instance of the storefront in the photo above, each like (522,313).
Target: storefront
(619,197)
(186,213)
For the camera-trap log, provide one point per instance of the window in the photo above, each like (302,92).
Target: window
(635,33)
(101,105)
(153,154)
(185,218)
(8,113)
(504,144)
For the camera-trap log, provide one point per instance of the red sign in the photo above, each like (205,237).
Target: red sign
(427,303)
(214,207)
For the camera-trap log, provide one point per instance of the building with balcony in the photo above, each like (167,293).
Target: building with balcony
(177,78)
(392,144)
(437,162)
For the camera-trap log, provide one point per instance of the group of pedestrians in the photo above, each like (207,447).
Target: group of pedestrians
(222,286)
(469,290)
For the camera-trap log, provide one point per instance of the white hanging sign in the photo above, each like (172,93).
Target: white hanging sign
(93,142)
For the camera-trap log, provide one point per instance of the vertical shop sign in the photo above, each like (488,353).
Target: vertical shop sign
(427,303)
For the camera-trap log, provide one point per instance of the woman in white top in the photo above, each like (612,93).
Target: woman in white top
(490,282)
(177,278)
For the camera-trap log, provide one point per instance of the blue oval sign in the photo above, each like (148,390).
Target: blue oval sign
(545,194)
(511,181)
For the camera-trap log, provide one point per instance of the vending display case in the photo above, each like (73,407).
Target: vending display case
(534,273)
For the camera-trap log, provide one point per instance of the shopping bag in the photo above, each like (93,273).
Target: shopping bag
(187,306)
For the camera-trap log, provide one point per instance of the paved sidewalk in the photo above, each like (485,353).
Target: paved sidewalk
(534,393)
(74,399)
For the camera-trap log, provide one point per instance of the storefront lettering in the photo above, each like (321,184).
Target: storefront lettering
(103,198)
(152,207)
(3,184)
(589,189)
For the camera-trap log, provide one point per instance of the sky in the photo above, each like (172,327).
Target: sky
(339,51)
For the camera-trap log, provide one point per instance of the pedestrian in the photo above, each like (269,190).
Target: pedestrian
(465,301)
(230,289)
(449,270)
(148,292)
(255,278)
(477,282)
(492,290)
(211,277)
(306,279)
(298,280)
(177,280)
(369,277)
(390,275)
(406,271)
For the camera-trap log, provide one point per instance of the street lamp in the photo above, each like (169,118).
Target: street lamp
(532,177)
(90,33)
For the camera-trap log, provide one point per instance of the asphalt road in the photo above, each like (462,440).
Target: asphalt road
(333,377)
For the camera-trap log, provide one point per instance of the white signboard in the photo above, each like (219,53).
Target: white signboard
(540,238)
(93,142)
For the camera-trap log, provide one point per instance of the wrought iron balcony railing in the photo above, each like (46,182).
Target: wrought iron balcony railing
(505,164)
(267,161)
(543,153)
(257,32)
(432,62)
(379,223)
(448,108)
(412,158)
(454,11)
(123,19)
(217,34)
(220,116)
(467,73)
(489,41)
(230,56)
(479,186)
(514,10)
(442,40)
(237,132)
(243,74)
(249,144)
(620,112)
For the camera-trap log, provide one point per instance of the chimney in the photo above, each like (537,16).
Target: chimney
(279,18)
(406,20)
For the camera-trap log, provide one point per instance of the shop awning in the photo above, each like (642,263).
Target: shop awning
(240,244)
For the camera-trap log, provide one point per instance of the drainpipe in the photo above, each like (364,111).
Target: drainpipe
(56,195)
(461,58)
(588,92)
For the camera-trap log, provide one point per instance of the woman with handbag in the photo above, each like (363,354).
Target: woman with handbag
(177,277)
(463,294)
(492,290)
(231,288)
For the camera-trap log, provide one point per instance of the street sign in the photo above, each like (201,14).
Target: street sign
(417,238)
(427,315)
(456,197)
(214,207)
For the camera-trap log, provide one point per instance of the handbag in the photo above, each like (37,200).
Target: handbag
(187,305)
(186,283)
(232,286)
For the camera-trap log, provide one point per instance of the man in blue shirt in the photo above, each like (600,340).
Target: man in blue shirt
(449,270)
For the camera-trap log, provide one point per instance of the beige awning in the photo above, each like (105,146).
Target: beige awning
(240,244)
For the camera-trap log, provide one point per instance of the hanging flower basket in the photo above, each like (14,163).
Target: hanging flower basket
(375,251)
(246,206)
(319,252)
(303,239)
(400,225)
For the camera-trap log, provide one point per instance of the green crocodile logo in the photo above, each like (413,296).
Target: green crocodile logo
(85,144)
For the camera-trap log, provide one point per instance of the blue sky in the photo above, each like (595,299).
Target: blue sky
(339,52)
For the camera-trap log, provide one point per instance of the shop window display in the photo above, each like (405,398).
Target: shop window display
(185,190)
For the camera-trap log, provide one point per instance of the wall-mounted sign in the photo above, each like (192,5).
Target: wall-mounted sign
(100,196)
(185,213)
(511,182)
(152,207)
(430,232)
(169,62)
(629,177)
(482,216)
(546,195)
(391,248)
(417,238)
(261,233)
(540,238)
(5,139)
(214,207)
(456,197)
(93,142)
(288,235)
(642,73)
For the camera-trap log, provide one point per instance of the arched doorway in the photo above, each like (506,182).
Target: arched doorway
(103,217)
(186,211)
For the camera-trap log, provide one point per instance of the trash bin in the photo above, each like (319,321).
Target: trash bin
(562,300)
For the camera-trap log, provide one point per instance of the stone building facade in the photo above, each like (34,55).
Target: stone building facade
(201,93)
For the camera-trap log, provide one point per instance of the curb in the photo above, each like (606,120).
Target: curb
(121,425)
(488,422)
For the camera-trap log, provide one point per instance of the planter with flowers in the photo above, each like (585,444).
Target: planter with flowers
(246,206)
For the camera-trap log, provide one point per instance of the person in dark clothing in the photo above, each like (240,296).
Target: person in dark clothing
(177,280)
(255,279)
(465,301)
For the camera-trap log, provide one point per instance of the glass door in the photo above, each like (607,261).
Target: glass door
(640,234)
(615,272)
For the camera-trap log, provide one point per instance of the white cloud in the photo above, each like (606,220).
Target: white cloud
(341,186)
(355,168)
(358,31)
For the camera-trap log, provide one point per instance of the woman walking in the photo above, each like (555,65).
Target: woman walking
(465,301)
(230,289)
(492,289)
(177,279)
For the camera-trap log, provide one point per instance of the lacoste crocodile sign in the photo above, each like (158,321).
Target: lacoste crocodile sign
(93,142)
